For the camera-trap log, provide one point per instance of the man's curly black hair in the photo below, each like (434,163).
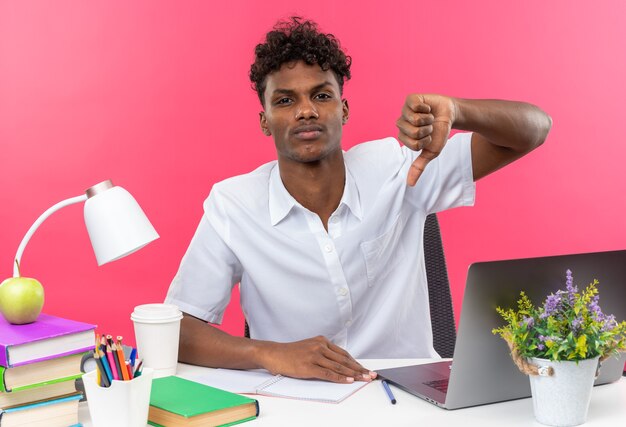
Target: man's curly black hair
(297,39)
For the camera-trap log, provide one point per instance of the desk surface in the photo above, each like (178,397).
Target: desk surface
(371,406)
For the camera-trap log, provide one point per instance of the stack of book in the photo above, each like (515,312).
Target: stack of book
(39,363)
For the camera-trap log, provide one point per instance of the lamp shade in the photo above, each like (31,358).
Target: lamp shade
(116,224)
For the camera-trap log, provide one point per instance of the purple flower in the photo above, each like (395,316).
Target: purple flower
(576,323)
(570,280)
(551,305)
(609,323)
(541,347)
(542,338)
(571,289)
(529,321)
(594,308)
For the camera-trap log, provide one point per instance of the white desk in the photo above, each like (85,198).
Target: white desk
(370,406)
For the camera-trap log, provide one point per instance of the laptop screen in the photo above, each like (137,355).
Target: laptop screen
(482,369)
(481,360)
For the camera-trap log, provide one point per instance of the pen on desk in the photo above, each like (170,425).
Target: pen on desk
(392,398)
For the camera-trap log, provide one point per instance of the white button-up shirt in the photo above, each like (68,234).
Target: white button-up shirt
(362,284)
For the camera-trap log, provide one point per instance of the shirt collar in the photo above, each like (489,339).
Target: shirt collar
(281,202)
(351,196)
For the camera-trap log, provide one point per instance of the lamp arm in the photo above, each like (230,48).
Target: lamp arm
(35,226)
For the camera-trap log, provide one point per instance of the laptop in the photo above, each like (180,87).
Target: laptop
(481,370)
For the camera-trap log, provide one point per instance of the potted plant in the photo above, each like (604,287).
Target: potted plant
(560,346)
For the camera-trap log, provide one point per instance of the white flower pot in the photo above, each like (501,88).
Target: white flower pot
(562,399)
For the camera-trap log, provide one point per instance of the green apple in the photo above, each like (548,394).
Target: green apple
(21,299)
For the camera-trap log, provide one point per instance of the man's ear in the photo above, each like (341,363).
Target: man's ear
(346,111)
(263,123)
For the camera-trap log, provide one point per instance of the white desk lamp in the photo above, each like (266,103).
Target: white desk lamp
(116,224)
(117,227)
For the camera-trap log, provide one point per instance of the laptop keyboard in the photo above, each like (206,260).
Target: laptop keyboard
(441,385)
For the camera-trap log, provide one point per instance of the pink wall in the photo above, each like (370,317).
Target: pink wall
(155,96)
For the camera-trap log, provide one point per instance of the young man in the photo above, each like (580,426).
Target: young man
(327,244)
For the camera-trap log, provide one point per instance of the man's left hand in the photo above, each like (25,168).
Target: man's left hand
(425,125)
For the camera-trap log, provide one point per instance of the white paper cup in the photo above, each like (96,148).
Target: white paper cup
(157,331)
(124,404)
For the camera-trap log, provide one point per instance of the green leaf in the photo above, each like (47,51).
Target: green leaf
(581,345)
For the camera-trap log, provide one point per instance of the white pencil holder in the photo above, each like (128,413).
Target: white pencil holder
(123,404)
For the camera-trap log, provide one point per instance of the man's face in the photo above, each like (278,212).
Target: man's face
(304,112)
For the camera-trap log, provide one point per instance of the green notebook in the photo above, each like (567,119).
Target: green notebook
(175,401)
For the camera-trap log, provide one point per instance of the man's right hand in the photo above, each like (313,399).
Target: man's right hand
(313,358)
(205,345)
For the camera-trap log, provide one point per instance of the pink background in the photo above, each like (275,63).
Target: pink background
(155,96)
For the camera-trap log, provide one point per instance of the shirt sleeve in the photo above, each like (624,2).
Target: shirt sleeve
(209,269)
(448,180)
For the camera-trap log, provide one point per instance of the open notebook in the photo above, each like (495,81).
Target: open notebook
(263,383)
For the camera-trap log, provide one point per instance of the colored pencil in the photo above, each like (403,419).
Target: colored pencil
(120,347)
(95,356)
(113,363)
(119,353)
(99,367)
(105,364)
(129,369)
(104,378)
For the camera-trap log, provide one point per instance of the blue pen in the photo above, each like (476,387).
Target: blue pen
(133,356)
(389,393)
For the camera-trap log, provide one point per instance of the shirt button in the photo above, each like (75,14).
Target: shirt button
(348,323)
(328,248)
(343,291)
(334,219)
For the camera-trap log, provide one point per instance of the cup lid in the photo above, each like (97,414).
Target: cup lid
(156,313)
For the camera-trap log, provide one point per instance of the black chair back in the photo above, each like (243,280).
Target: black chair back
(439,298)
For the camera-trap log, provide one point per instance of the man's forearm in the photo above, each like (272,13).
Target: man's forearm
(518,126)
(205,345)
(503,131)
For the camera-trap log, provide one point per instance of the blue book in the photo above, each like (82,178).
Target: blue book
(59,412)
